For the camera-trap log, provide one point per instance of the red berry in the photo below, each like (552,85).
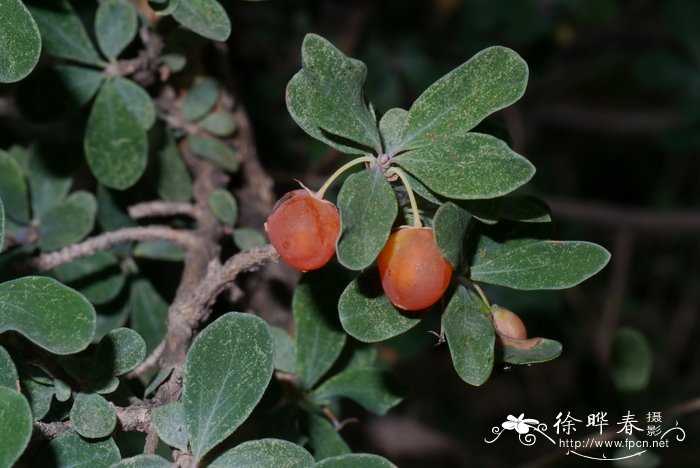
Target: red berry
(414,274)
(508,323)
(304,229)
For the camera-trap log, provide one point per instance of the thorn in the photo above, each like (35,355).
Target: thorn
(440,336)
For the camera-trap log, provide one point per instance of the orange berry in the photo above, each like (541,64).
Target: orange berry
(414,274)
(304,229)
(508,323)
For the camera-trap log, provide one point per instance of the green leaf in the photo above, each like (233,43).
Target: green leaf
(115,142)
(324,439)
(16,427)
(525,209)
(486,211)
(92,416)
(2,225)
(451,225)
(224,206)
(39,397)
(325,98)
(120,351)
(159,250)
(149,313)
(174,181)
(539,264)
(115,26)
(367,314)
(285,351)
(62,390)
(8,371)
(247,238)
(264,453)
(201,99)
(49,181)
(97,277)
(169,421)
(319,337)
(137,100)
(47,313)
(69,449)
(390,127)
(470,336)
(491,80)
(530,351)
(468,166)
(163,7)
(160,377)
(111,316)
(13,189)
(62,33)
(143,461)
(368,208)
(227,369)
(219,123)
(631,360)
(215,151)
(68,222)
(353,460)
(205,17)
(376,390)
(20,39)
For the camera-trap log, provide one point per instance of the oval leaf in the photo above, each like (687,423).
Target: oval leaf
(470,337)
(120,351)
(525,209)
(21,41)
(137,100)
(264,453)
(2,225)
(143,461)
(205,17)
(201,99)
(285,351)
(530,351)
(246,238)
(16,427)
(368,208)
(376,390)
(92,416)
(319,337)
(68,222)
(174,181)
(325,98)
(540,264)
(8,371)
(49,179)
(13,189)
(353,460)
(491,80)
(367,314)
(39,397)
(467,166)
(390,127)
(97,277)
(215,151)
(631,360)
(115,26)
(224,206)
(451,225)
(324,440)
(69,449)
(227,370)
(219,123)
(169,421)
(52,315)
(149,313)
(62,33)
(115,142)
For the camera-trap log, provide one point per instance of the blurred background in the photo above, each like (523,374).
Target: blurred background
(611,120)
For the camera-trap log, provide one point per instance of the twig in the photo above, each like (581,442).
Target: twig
(48,431)
(147,363)
(47,261)
(161,208)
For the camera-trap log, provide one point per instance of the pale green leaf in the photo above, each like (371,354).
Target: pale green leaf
(354,460)
(143,461)
(216,151)
(169,421)
(205,17)
(491,80)
(470,336)
(451,225)
(92,416)
(201,99)
(631,360)
(68,222)
(62,390)
(376,390)
(174,181)
(13,189)
(224,206)
(16,427)
(367,314)
(318,335)
(115,26)
(467,166)
(246,238)
(46,312)
(137,100)
(325,98)
(8,371)
(20,42)
(160,377)
(529,351)
(219,123)
(149,313)
(115,142)
(285,350)
(368,208)
(2,225)
(264,453)
(227,370)
(98,277)
(390,127)
(62,33)
(71,450)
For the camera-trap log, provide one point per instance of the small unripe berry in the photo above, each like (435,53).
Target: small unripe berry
(507,323)
(414,274)
(304,229)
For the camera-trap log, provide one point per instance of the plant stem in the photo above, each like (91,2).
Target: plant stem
(343,168)
(411,196)
(481,294)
